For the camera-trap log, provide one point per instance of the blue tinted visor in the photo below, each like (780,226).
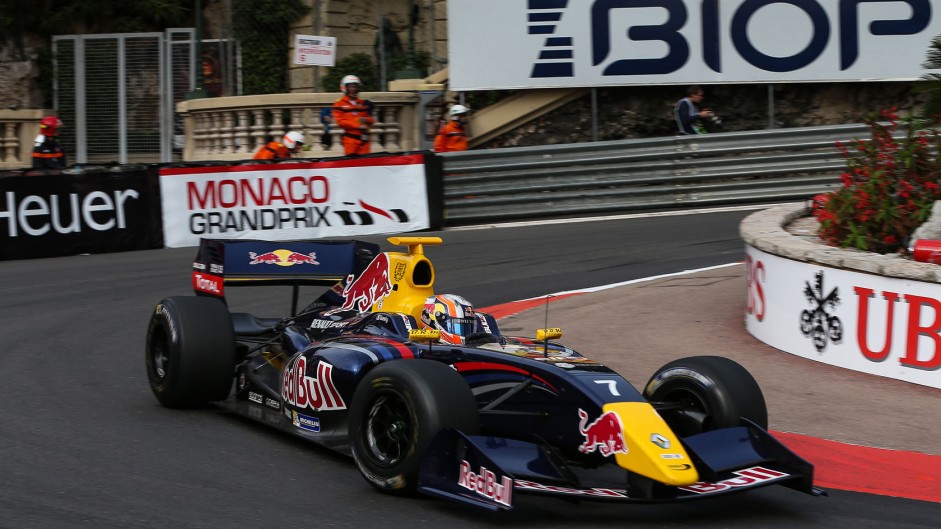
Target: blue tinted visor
(460,326)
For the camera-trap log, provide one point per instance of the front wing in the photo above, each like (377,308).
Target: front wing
(488,471)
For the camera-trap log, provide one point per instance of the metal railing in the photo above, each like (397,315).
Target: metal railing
(621,176)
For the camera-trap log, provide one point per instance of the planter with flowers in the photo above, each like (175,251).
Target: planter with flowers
(888,189)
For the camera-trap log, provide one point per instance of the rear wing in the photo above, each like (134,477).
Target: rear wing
(221,262)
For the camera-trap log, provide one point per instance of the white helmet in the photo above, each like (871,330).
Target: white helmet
(293,139)
(349,79)
(457,111)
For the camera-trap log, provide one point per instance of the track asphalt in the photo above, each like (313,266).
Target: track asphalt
(862,432)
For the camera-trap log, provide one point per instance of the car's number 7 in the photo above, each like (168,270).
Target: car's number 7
(612,386)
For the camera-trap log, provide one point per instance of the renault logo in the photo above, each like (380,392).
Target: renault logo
(660,441)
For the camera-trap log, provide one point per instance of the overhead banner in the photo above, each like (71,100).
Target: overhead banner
(295,200)
(577,43)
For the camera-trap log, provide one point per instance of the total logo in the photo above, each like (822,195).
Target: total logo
(283,258)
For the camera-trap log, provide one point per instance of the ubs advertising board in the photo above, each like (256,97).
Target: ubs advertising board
(575,43)
(295,200)
(874,324)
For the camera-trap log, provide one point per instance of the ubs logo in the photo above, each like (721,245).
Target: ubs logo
(818,323)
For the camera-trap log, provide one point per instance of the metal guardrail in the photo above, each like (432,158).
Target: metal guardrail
(620,176)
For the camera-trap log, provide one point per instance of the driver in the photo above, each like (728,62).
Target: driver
(450,314)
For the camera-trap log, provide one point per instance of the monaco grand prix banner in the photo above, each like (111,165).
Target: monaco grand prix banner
(874,324)
(92,210)
(496,44)
(296,200)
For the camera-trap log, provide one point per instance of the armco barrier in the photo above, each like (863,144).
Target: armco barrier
(775,165)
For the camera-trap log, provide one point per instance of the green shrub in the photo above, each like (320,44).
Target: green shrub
(359,64)
(263,29)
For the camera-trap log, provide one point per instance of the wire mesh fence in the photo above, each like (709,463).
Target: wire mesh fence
(117,92)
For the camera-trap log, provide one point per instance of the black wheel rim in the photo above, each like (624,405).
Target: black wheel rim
(690,413)
(159,355)
(390,431)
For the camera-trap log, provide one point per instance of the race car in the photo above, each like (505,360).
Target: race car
(428,395)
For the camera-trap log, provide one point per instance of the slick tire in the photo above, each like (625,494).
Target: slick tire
(703,393)
(396,410)
(190,351)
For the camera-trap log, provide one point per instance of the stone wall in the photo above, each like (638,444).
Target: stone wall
(355,24)
(647,111)
(18,72)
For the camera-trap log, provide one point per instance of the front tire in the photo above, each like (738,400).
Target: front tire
(396,411)
(703,393)
(190,351)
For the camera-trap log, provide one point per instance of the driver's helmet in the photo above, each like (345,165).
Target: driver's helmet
(450,314)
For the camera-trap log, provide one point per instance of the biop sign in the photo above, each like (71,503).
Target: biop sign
(569,43)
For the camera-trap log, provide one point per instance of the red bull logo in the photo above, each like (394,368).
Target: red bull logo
(605,434)
(300,389)
(486,484)
(283,258)
(371,286)
(749,477)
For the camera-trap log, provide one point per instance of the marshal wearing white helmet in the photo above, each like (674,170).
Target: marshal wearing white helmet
(290,144)
(354,116)
(452,136)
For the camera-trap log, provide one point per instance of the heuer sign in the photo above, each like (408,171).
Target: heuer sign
(567,43)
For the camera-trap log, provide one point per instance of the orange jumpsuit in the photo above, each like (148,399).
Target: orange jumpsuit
(451,137)
(352,115)
(271,151)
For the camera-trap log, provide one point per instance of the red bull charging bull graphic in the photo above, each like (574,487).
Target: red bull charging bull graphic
(283,258)
(605,434)
(371,286)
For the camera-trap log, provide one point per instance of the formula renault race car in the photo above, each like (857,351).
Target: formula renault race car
(428,395)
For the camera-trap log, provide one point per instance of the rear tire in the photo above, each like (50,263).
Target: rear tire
(190,351)
(396,411)
(703,393)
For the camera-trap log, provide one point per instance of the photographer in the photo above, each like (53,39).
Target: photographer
(689,118)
